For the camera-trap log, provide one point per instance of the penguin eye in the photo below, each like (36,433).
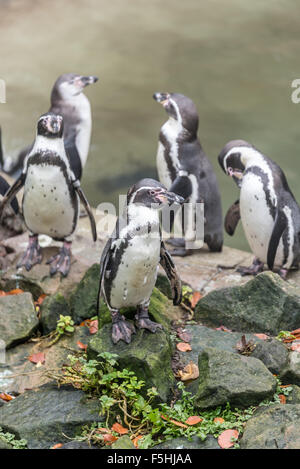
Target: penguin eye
(151,192)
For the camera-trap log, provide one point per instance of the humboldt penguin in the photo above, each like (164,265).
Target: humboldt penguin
(184,168)
(68,101)
(130,259)
(51,195)
(269,212)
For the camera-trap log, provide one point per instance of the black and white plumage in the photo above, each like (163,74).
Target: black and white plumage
(130,259)
(68,101)
(184,168)
(269,212)
(51,195)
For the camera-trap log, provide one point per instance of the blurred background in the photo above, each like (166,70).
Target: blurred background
(236,59)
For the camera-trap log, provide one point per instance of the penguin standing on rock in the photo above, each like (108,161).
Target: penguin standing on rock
(50,200)
(129,262)
(184,168)
(269,212)
(68,101)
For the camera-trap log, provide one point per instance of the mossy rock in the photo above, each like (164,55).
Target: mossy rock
(52,307)
(163,284)
(161,310)
(264,304)
(83,300)
(148,356)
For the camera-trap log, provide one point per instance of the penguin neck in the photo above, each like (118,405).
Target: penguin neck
(174,130)
(45,145)
(140,215)
(252,157)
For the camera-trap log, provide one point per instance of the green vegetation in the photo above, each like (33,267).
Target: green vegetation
(11,440)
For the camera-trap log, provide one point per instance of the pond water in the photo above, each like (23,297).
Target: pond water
(236,59)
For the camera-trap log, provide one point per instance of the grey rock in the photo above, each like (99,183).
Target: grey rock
(291,373)
(184,443)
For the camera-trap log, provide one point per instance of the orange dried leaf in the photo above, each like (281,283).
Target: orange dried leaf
(16,291)
(194,420)
(135,441)
(109,438)
(195,298)
(37,358)
(282,399)
(3,293)
(295,347)
(190,371)
(119,429)
(40,299)
(225,439)
(296,332)
(183,347)
(102,430)
(93,326)
(262,336)
(81,345)
(178,424)
(219,420)
(6,397)
(58,445)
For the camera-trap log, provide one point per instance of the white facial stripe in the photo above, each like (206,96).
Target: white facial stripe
(143,188)
(179,118)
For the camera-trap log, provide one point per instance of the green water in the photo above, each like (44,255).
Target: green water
(235,59)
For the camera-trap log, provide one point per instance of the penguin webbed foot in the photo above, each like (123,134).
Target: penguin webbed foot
(180,252)
(144,322)
(176,242)
(121,329)
(33,254)
(61,262)
(256,268)
(283,273)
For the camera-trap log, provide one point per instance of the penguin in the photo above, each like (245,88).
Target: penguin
(69,101)
(130,259)
(184,168)
(267,208)
(51,195)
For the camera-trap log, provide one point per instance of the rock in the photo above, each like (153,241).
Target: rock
(265,304)
(27,375)
(163,284)
(294,395)
(124,442)
(78,445)
(227,377)
(161,310)
(147,355)
(274,427)
(18,318)
(291,373)
(41,417)
(83,300)
(271,352)
(184,443)
(4,445)
(52,307)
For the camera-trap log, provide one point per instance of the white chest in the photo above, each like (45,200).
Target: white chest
(162,167)
(171,131)
(83,136)
(256,218)
(47,204)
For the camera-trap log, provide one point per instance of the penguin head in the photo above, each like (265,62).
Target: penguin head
(69,85)
(181,108)
(50,125)
(152,194)
(230,158)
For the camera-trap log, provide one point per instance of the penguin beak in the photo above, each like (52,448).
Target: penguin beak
(88,80)
(170,198)
(237,173)
(162,98)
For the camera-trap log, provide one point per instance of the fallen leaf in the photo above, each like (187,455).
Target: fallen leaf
(175,422)
(295,347)
(183,335)
(296,332)
(58,445)
(37,358)
(86,322)
(109,438)
(40,299)
(3,293)
(119,429)
(193,420)
(6,397)
(262,336)
(223,328)
(219,420)
(225,439)
(135,441)
(282,399)
(93,326)
(102,430)
(183,347)
(16,291)
(285,386)
(195,298)
(81,345)
(190,371)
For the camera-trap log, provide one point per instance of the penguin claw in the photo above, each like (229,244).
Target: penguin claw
(254,269)
(122,330)
(61,262)
(146,323)
(31,257)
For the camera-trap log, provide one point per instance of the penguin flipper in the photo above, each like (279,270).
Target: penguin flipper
(73,155)
(168,265)
(88,209)
(182,186)
(279,227)
(232,218)
(12,192)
